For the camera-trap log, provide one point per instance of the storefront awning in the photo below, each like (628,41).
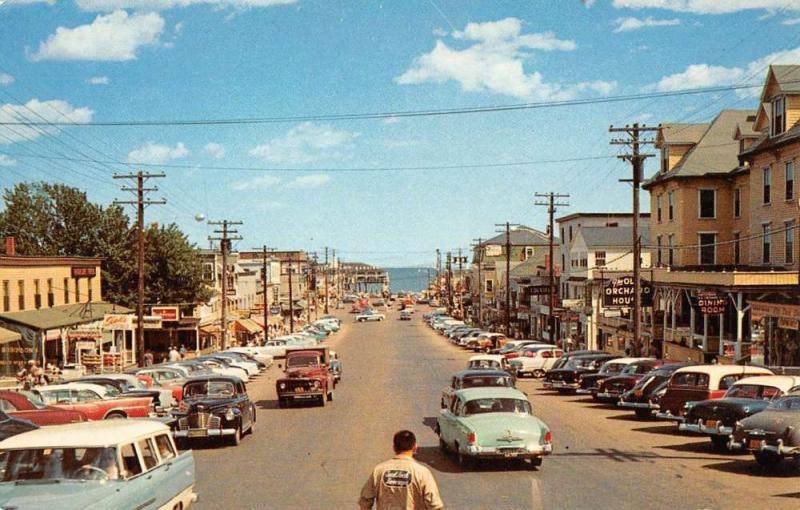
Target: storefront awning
(62,316)
(248,325)
(211,329)
(8,336)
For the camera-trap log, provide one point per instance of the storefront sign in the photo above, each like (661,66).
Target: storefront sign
(760,308)
(785,323)
(620,292)
(150,322)
(117,322)
(84,271)
(85,346)
(539,290)
(493,250)
(167,313)
(711,303)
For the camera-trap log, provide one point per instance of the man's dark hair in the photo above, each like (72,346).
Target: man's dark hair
(404,441)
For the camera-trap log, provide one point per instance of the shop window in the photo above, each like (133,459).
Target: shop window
(708,203)
(21,294)
(708,248)
(37,295)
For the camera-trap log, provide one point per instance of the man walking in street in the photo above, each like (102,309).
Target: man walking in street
(401,483)
(174,355)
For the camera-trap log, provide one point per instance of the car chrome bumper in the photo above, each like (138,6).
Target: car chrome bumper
(669,417)
(638,405)
(606,395)
(193,433)
(586,391)
(493,452)
(305,394)
(561,385)
(762,446)
(699,428)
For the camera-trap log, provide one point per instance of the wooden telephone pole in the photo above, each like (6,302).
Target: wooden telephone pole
(140,204)
(479,247)
(507,312)
(227,236)
(551,210)
(265,289)
(636,159)
(325,275)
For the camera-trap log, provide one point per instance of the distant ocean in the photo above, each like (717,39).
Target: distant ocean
(408,279)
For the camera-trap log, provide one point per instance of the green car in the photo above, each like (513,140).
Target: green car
(498,423)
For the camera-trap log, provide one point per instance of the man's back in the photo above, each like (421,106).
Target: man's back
(401,483)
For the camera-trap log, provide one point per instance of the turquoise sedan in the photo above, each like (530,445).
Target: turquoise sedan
(493,423)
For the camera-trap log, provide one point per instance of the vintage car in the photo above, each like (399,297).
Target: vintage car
(492,423)
(405,315)
(91,465)
(116,386)
(28,407)
(717,418)
(612,388)
(475,379)
(222,366)
(488,361)
(566,379)
(486,342)
(370,315)
(94,401)
(511,348)
(215,406)
(590,383)
(701,382)
(257,353)
(11,426)
(307,376)
(774,433)
(645,396)
(534,359)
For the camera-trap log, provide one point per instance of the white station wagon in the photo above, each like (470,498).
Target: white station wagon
(96,465)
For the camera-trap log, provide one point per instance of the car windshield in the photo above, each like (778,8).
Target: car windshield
(52,464)
(790,403)
(756,391)
(302,361)
(209,389)
(484,363)
(612,368)
(478,382)
(635,369)
(497,405)
(577,363)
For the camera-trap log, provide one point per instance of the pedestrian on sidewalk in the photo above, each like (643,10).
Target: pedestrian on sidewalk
(174,355)
(401,482)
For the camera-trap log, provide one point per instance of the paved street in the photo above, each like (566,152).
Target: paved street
(318,458)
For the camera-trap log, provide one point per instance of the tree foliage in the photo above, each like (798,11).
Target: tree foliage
(57,220)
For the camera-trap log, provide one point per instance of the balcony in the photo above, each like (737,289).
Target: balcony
(725,276)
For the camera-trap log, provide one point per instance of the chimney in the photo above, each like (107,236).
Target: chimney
(11,246)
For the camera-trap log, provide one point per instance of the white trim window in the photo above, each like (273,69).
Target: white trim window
(671,205)
(767,182)
(489,286)
(708,248)
(665,159)
(788,177)
(788,242)
(707,203)
(778,115)
(766,243)
(737,202)
(658,207)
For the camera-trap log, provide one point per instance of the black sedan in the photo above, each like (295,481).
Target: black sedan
(645,396)
(567,378)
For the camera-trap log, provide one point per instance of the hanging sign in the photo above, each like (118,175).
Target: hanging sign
(711,303)
(167,313)
(84,271)
(618,293)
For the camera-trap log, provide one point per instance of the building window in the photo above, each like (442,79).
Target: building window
(737,202)
(51,298)
(599,258)
(788,170)
(767,172)
(528,252)
(208,272)
(658,251)
(665,159)
(563,264)
(562,234)
(21,294)
(489,285)
(766,242)
(778,115)
(670,206)
(670,249)
(708,249)
(789,242)
(658,207)
(89,293)
(736,248)
(6,296)
(66,291)
(570,233)
(77,290)
(37,295)
(708,203)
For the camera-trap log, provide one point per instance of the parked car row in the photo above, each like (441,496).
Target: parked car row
(463,335)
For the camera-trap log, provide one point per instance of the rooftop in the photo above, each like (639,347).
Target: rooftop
(63,315)
(610,215)
(85,434)
(612,236)
(681,134)
(521,236)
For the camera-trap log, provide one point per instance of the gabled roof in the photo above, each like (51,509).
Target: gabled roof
(527,268)
(606,237)
(785,77)
(715,153)
(681,134)
(521,236)
(763,118)
(746,129)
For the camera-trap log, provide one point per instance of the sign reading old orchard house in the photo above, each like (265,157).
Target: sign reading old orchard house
(84,271)
(711,303)
(167,313)
(618,293)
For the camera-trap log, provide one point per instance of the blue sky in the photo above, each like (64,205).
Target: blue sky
(108,60)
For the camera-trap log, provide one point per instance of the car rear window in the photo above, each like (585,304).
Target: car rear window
(696,379)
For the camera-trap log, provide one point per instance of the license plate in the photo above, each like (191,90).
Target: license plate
(198,433)
(712,424)
(755,444)
(510,454)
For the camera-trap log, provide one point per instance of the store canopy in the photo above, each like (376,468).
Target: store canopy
(249,326)
(8,336)
(62,316)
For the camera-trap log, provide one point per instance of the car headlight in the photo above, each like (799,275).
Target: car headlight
(230,415)
(316,384)
(282,386)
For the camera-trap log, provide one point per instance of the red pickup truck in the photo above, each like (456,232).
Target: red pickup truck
(307,376)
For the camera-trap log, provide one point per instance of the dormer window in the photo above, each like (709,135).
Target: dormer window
(665,159)
(778,115)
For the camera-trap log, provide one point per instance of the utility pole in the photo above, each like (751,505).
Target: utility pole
(140,204)
(636,159)
(448,278)
(507,312)
(291,299)
(460,284)
(265,288)
(227,235)
(325,274)
(551,205)
(438,276)
(479,247)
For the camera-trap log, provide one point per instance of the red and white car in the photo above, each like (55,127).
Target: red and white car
(94,401)
(28,407)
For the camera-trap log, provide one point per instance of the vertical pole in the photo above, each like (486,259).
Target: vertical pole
(480,284)
(551,320)
(460,284)
(508,279)
(266,298)
(140,267)
(291,299)
(326,280)
(224,318)
(637,252)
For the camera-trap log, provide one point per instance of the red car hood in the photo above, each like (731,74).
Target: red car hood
(306,372)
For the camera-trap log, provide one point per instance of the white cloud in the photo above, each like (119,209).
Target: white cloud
(309,181)
(7,161)
(494,62)
(6,79)
(112,37)
(704,75)
(215,150)
(157,154)
(98,80)
(709,6)
(158,5)
(791,22)
(304,143)
(269,205)
(54,110)
(260,182)
(630,24)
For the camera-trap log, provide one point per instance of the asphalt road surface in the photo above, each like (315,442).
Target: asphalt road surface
(394,371)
